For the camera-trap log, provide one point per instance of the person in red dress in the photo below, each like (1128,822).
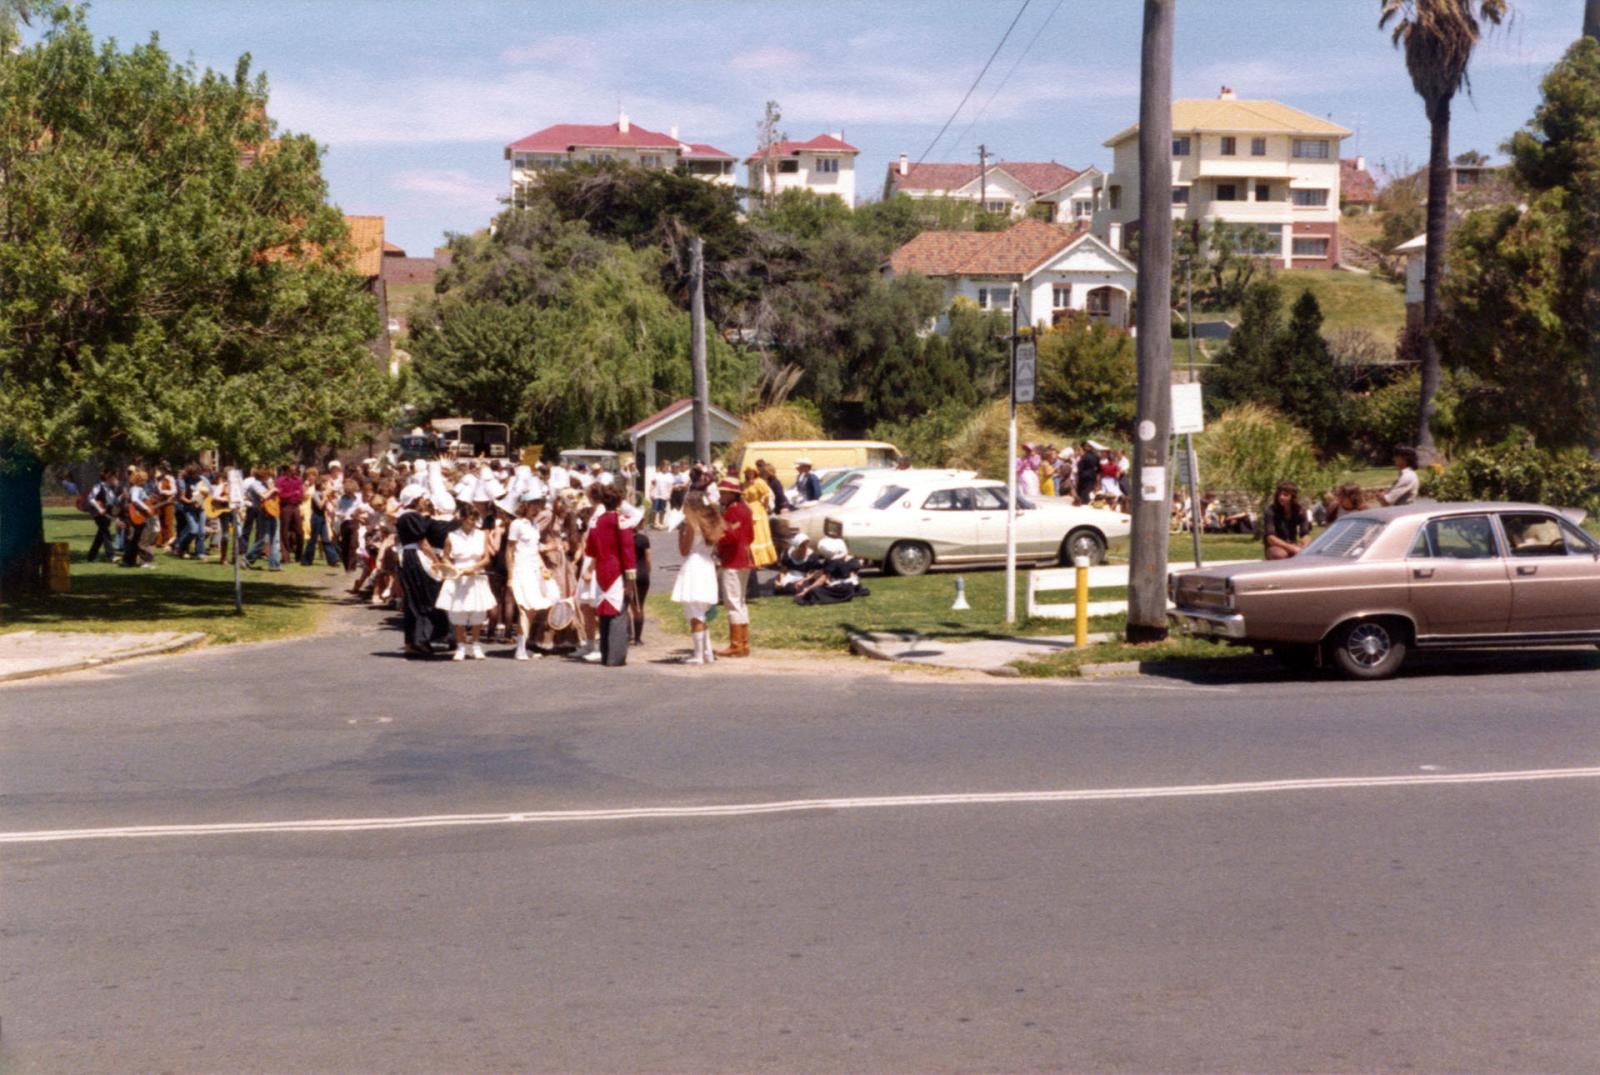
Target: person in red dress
(611,555)
(734,562)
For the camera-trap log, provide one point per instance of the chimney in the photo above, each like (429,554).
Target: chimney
(622,121)
(673,130)
(1114,236)
(837,134)
(905,164)
(1226,94)
(1361,164)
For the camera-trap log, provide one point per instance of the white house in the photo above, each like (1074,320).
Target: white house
(1011,187)
(668,435)
(1416,252)
(825,165)
(566,144)
(1060,271)
(1256,163)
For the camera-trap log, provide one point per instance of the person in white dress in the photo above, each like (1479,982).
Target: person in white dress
(466,597)
(696,588)
(530,585)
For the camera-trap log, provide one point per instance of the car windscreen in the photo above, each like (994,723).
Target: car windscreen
(889,496)
(1346,538)
(994,496)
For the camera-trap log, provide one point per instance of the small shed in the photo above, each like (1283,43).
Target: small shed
(668,435)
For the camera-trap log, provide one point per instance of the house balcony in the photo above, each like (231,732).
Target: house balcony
(1243,212)
(1246,168)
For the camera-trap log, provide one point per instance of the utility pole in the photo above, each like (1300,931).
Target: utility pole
(1591,19)
(1147,581)
(983,188)
(1011,470)
(1195,522)
(697,350)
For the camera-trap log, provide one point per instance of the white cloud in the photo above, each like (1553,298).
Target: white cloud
(771,58)
(448,186)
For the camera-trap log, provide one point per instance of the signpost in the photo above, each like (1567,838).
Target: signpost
(1011,456)
(235,506)
(1189,418)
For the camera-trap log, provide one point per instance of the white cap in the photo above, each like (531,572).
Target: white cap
(797,539)
(630,515)
(409,495)
(833,548)
(335,463)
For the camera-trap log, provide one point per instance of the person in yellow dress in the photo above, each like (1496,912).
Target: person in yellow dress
(758,495)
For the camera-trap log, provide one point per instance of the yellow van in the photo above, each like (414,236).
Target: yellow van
(823,455)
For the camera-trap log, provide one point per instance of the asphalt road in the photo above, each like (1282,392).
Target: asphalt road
(568,925)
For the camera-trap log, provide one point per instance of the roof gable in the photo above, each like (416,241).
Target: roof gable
(822,143)
(671,411)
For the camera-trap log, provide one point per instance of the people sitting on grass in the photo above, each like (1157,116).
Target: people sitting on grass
(836,581)
(795,565)
(1285,523)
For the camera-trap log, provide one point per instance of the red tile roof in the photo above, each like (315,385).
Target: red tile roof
(1016,251)
(822,143)
(1037,176)
(701,151)
(563,137)
(366,240)
(1356,184)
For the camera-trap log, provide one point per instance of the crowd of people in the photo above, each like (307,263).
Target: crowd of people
(555,560)
(1092,474)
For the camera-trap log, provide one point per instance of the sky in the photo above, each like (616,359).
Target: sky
(414,100)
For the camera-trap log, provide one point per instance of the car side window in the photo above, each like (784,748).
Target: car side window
(889,496)
(990,499)
(1467,537)
(940,500)
(1578,542)
(1528,534)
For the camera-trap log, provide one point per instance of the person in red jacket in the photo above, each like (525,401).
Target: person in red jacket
(734,561)
(612,559)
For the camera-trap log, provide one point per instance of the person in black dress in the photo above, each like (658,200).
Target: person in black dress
(421,537)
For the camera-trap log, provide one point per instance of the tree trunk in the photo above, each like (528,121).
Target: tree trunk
(1147,573)
(1433,263)
(700,409)
(21,521)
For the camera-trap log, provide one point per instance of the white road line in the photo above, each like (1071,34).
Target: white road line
(792,806)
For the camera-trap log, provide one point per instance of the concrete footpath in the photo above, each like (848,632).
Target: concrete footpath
(25,654)
(992,656)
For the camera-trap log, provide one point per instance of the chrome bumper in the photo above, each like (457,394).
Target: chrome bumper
(1194,621)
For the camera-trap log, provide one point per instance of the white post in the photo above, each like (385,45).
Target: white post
(1011,476)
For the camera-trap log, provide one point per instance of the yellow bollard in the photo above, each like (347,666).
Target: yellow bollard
(58,567)
(1080,634)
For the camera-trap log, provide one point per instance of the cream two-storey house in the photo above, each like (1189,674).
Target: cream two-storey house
(1257,163)
(624,142)
(824,165)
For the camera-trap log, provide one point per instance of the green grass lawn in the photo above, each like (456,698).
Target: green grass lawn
(179,595)
(1348,300)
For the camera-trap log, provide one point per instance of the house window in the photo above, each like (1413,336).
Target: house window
(1098,302)
(1259,240)
(1258,147)
(1180,195)
(1311,148)
(1061,297)
(650,160)
(1082,207)
(997,207)
(1180,146)
(1467,179)
(983,299)
(1310,198)
(788,167)
(1311,248)
(1230,145)
(1263,192)
(1114,194)
(1227,192)
(828,165)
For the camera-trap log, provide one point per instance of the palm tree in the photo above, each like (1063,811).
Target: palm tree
(1438,37)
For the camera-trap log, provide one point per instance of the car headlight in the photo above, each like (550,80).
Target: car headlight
(832,528)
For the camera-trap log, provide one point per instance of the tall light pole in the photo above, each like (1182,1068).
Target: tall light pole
(1147,574)
(701,408)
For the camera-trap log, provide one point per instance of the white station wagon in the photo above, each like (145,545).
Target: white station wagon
(910,528)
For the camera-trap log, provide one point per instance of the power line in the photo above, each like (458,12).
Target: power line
(975,81)
(1018,63)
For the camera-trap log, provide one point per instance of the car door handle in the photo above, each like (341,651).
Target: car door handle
(1527,569)
(1422,573)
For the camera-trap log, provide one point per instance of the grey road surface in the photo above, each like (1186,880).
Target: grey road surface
(1415,925)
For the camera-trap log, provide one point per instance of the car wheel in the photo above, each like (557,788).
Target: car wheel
(910,558)
(1083,542)
(1368,649)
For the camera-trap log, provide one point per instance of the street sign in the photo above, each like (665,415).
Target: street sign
(1024,376)
(1188,414)
(235,487)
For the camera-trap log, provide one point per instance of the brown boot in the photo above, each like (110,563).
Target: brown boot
(743,640)
(732,648)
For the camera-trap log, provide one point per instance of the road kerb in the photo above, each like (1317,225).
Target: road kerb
(85,663)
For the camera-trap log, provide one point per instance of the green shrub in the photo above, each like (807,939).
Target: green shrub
(925,439)
(784,421)
(1252,448)
(1515,470)
(980,444)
